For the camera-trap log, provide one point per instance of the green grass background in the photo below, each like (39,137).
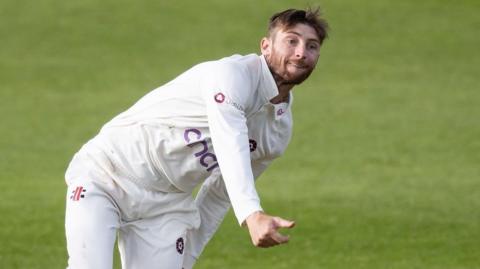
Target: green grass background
(384,167)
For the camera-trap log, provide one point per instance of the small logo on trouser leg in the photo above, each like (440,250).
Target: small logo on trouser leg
(180,245)
(253,145)
(78,193)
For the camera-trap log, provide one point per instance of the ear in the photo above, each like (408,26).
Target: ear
(265,46)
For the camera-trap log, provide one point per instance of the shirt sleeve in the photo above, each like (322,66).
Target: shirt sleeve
(213,203)
(227,94)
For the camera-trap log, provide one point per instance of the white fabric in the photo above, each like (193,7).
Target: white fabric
(151,226)
(212,122)
(143,141)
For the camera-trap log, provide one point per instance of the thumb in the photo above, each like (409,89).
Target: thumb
(283,223)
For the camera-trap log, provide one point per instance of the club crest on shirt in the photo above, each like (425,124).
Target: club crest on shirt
(180,245)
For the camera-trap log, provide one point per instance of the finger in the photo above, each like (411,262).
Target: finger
(267,242)
(280,238)
(283,223)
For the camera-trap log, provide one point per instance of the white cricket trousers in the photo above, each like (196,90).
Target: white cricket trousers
(151,225)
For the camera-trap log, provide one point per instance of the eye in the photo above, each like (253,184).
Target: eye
(313,46)
(291,41)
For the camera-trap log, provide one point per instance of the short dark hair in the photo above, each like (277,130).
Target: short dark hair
(290,17)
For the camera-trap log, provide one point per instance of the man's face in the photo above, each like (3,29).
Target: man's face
(292,53)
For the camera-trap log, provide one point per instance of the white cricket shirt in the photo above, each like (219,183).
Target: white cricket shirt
(214,119)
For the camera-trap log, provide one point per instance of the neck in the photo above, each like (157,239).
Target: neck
(283,90)
(280,99)
(283,94)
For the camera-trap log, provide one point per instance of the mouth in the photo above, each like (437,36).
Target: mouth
(298,65)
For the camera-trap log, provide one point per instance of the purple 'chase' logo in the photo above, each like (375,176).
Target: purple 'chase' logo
(193,137)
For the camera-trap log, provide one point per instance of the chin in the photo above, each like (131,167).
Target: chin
(297,79)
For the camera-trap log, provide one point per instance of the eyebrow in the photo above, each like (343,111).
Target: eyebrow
(298,34)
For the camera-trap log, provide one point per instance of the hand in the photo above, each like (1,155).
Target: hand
(264,229)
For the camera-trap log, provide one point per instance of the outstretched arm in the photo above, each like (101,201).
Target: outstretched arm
(213,203)
(264,228)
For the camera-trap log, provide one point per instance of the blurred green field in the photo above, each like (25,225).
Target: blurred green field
(384,167)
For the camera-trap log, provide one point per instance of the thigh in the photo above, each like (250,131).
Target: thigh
(156,243)
(91,223)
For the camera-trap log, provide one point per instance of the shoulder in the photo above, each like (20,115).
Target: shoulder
(239,66)
(237,74)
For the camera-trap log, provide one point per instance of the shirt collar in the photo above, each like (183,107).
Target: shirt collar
(269,86)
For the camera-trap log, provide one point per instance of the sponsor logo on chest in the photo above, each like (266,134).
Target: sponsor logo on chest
(221,98)
(193,138)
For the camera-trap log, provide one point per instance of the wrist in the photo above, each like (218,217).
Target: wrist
(252,217)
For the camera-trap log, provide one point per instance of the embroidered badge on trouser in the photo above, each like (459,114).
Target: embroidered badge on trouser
(78,193)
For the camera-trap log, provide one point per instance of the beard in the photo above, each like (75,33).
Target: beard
(283,76)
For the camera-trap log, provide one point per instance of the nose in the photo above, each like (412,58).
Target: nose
(300,51)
